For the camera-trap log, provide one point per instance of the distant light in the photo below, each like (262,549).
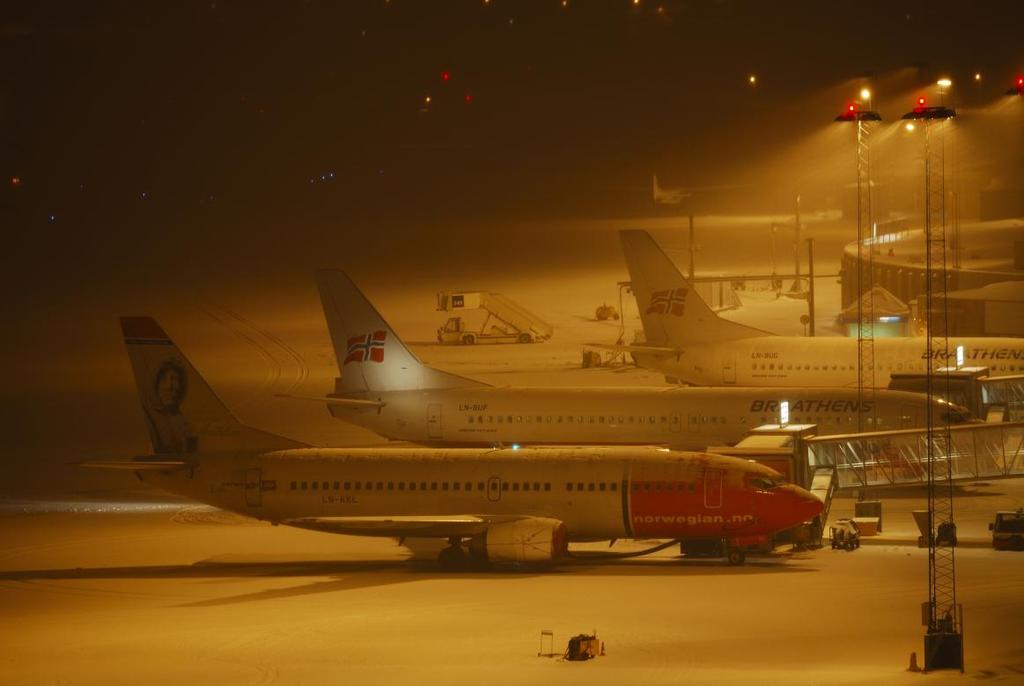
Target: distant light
(909,126)
(944,82)
(426,100)
(784,412)
(15,181)
(53,217)
(959,356)
(445,76)
(920,102)
(1020,81)
(143,195)
(865,94)
(515,446)
(752,79)
(565,3)
(851,108)
(661,9)
(469,98)
(636,2)
(977,76)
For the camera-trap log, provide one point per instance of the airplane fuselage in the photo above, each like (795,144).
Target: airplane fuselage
(598,493)
(802,362)
(682,418)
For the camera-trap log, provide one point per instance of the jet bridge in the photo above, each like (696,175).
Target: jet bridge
(896,458)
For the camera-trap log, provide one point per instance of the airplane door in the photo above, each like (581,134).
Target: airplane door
(253,494)
(434,420)
(494,489)
(729,369)
(712,488)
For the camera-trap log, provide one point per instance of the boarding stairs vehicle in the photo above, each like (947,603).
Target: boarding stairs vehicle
(505,320)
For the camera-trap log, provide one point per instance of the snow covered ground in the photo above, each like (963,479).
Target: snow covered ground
(191,595)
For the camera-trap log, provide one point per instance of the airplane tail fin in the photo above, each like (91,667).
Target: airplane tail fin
(671,310)
(371,357)
(183,413)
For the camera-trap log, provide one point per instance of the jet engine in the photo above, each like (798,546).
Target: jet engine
(534,539)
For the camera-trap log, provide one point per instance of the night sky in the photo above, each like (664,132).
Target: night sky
(153,149)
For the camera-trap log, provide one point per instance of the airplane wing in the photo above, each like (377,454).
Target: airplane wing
(138,465)
(643,349)
(400,527)
(353,403)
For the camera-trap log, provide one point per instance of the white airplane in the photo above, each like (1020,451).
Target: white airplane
(500,505)
(384,387)
(669,196)
(689,342)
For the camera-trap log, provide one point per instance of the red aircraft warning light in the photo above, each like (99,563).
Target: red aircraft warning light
(445,76)
(851,113)
(1018,86)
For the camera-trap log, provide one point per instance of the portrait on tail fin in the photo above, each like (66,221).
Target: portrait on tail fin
(170,430)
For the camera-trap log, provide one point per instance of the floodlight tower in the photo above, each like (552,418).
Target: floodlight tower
(865,319)
(943,641)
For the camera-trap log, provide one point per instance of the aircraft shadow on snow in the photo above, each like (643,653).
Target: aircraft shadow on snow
(347,575)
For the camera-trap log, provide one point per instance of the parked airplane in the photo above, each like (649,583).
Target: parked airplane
(500,505)
(384,387)
(689,342)
(669,196)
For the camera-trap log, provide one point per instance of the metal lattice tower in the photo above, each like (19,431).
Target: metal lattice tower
(944,640)
(865,311)
(941,554)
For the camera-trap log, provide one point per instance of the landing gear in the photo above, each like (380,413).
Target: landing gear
(735,557)
(453,557)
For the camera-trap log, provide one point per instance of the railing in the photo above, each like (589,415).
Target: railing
(893,458)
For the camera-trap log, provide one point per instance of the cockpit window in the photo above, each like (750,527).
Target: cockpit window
(762,483)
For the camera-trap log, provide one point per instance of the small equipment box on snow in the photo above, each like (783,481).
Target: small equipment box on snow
(583,647)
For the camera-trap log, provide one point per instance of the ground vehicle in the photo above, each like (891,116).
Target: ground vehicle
(1008,530)
(845,535)
(505,321)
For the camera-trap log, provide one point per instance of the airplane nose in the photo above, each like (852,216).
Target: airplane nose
(808,505)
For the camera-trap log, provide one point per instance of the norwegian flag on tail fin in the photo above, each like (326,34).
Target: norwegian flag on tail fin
(668,302)
(366,348)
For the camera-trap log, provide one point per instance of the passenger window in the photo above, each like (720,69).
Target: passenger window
(536,485)
(316,484)
(547,485)
(579,485)
(613,486)
(444,485)
(380,485)
(391,485)
(515,486)
(504,485)
(294,485)
(347,485)
(304,485)
(469,486)
(359,485)
(470,419)
(479,485)
(412,485)
(456,485)
(602,486)
(433,485)
(568,485)
(590,486)
(423,485)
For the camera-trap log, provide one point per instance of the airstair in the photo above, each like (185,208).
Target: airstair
(510,319)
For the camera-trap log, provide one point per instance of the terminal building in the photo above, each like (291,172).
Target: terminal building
(979,256)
